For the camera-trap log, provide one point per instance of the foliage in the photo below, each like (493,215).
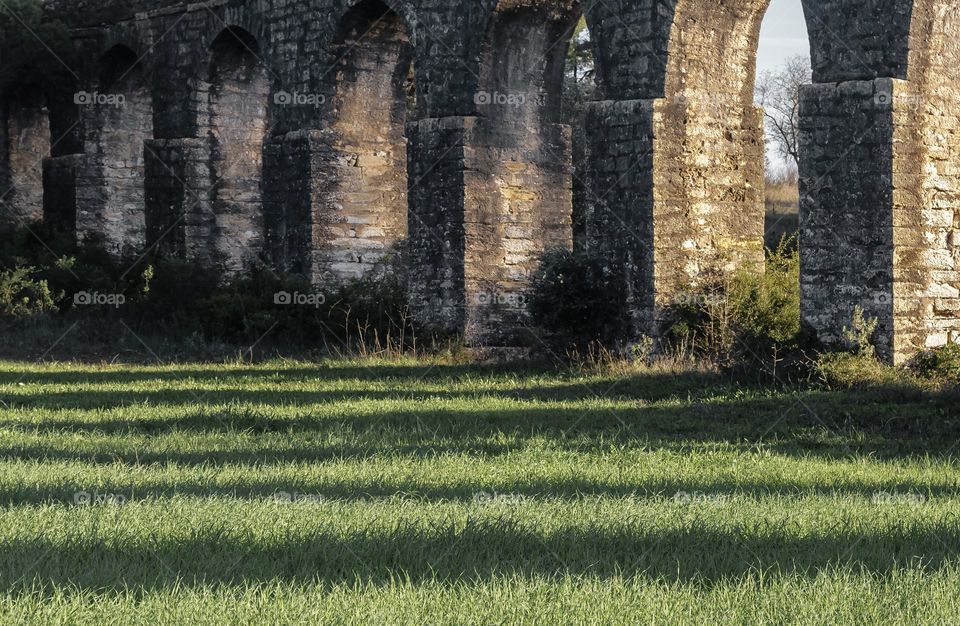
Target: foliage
(179,298)
(942,363)
(748,318)
(858,337)
(23,295)
(32,47)
(849,370)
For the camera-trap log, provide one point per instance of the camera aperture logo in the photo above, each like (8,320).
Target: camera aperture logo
(86,98)
(492,497)
(286,298)
(296,99)
(894,498)
(93,298)
(700,497)
(695,299)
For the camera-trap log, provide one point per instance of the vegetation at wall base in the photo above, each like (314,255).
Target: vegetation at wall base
(46,279)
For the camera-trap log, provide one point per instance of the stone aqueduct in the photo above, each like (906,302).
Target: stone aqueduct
(287,130)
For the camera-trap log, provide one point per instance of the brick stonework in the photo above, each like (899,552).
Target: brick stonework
(315,134)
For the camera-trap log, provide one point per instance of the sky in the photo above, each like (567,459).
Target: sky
(783,35)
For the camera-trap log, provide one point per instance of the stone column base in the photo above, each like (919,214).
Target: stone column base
(60,189)
(180,219)
(485,203)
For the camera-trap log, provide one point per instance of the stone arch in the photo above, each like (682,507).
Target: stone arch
(126,37)
(713,148)
(234,122)
(519,200)
(118,118)
(879,184)
(369,95)
(523,56)
(678,175)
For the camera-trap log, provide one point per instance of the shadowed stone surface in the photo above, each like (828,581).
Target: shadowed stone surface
(314,135)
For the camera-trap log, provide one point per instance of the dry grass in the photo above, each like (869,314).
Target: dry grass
(782,210)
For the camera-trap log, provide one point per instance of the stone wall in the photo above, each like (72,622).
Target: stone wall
(845,207)
(119,118)
(315,148)
(927,233)
(235,124)
(26,133)
(364,205)
(879,180)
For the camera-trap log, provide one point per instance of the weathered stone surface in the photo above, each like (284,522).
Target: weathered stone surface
(25,132)
(315,134)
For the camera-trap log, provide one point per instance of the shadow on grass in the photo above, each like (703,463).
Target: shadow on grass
(323,371)
(496,383)
(833,425)
(464,548)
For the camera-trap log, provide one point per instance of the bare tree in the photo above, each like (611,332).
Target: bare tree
(778,92)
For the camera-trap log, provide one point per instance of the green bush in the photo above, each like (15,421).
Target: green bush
(577,298)
(858,337)
(942,363)
(749,317)
(23,295)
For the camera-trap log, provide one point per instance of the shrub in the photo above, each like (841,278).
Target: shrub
(858,337)
(745,318)
(23,295)
(942,363)
(576,297)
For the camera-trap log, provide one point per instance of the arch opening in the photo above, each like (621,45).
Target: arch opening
(714,138)
(372,96)
(579,88)
(236,125)
(783,66)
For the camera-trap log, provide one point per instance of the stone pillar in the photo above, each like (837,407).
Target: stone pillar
(486,202)
(179,214)
(61,179)
(846,196)
(331,214)
(24,144)
(675,196)
(437,174)
(295,178)
(620,193)
(879,217)
(110,185)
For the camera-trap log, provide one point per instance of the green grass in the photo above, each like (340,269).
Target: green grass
(378,493)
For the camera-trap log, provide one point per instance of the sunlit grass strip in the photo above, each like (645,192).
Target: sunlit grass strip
(374,493)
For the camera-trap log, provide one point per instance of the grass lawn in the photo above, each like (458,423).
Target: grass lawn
(377,493)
